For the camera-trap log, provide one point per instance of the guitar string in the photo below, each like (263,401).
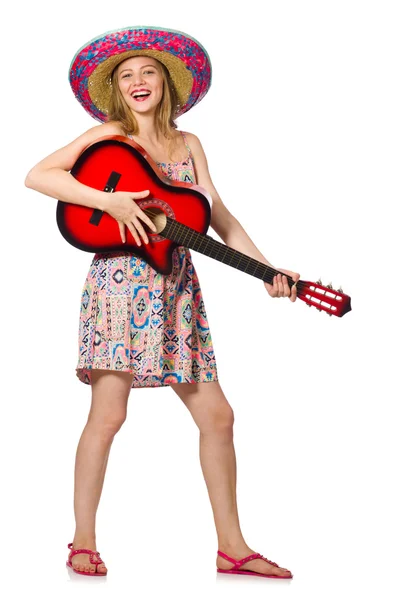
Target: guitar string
(245,260)
(251,262)
(187,231)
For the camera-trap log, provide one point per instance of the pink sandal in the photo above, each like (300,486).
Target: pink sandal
(238,563)
(94,560)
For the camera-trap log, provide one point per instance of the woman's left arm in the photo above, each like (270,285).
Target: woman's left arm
(230,229)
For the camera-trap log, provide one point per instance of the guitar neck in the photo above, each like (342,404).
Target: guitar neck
(205,244)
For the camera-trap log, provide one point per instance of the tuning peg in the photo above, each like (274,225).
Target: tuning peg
(319,281)
(329,286)
(340,290)
(318,309)
(329,314)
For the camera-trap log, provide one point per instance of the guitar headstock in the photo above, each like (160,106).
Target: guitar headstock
(325,298)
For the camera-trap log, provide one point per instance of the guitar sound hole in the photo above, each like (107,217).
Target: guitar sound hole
(157,211)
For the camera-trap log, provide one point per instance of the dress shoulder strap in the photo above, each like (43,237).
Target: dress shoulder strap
(186,144)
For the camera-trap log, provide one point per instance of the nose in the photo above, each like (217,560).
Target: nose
(139,78)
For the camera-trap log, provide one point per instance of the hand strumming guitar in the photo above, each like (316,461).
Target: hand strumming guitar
(121,206)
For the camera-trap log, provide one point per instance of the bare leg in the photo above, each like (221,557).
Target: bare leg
(214,417)
(110,391)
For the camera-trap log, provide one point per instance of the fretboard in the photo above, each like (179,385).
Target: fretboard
(205,244)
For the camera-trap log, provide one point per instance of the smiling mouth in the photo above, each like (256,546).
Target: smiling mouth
(141,97)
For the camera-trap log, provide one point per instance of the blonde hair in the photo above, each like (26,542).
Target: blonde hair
(164,117)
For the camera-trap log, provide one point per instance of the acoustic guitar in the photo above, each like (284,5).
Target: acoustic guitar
(181,212)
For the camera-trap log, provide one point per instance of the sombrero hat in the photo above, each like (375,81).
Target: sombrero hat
(185,58)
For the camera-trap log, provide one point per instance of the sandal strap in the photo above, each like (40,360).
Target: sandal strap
(270,561)
(94,555)
(242,561)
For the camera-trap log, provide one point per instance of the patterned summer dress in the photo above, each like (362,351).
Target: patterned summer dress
(137,320)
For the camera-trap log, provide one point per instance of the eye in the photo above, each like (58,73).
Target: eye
(128,74)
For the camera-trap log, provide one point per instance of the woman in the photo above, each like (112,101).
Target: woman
(137,81)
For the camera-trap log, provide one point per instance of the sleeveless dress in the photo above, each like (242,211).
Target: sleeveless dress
(136,320)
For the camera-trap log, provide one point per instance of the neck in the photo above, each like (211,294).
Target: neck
(147,128)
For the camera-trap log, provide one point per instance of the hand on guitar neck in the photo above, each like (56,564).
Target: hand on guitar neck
(280,288)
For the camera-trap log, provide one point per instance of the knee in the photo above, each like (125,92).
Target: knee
(107,425)
(219,420)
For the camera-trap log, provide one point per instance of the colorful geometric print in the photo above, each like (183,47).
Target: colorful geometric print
(136,320)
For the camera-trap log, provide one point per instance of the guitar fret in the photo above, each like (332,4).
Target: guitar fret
(208,241)
(214,249)
(205,244)
(220,254)
(226,256)
(216,256)
(237,265)
(183,234)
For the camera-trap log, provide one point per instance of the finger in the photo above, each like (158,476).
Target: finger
(275,287)
(122,231)
(141,230)
(139,194)
(268,287)
(286,288)
(146,220)
(280,285)
(294,289)
(134,233)
(272,289)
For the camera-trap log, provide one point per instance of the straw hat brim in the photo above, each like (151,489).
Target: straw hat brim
(187,62)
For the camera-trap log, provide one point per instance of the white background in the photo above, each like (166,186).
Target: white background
(299,128)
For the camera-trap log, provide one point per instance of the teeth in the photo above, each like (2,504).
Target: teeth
(140,94)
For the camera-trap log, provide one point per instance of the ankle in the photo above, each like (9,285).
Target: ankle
(84,541)
(230,545)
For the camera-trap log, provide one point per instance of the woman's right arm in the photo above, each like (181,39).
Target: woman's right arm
(51,177)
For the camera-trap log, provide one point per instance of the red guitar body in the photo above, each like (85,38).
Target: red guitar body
(120,161)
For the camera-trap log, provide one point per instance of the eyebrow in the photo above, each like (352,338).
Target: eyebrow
(141,68)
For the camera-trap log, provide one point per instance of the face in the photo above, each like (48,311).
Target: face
(141,83)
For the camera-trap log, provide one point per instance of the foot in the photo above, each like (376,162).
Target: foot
(81,562)
(258,565)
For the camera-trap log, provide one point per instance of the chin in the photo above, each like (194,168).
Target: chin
(144,109)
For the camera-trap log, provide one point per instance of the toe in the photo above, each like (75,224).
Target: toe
(76,565)
(267,568)
(102,569)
